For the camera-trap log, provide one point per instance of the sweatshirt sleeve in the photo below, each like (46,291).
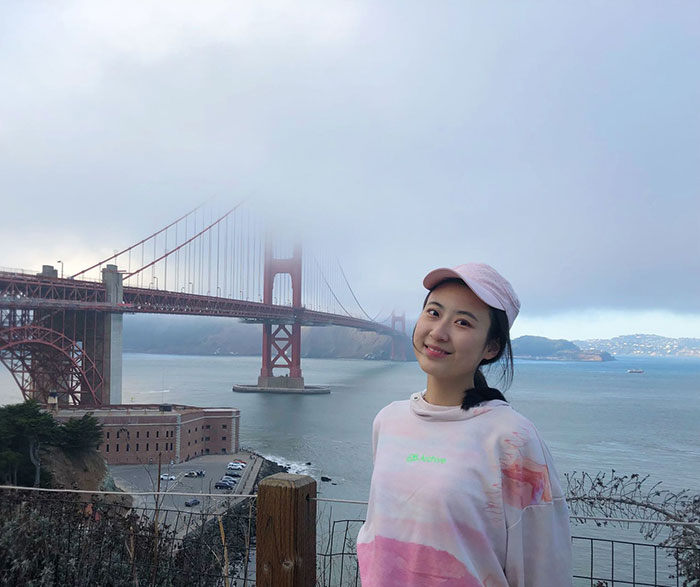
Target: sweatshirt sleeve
(375,435)
(538,547)
(538,551)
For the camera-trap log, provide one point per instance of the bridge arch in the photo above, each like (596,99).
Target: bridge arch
(43,360)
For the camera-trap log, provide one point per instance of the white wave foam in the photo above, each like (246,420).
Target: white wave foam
(293,467)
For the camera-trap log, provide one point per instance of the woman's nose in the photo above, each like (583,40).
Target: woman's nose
(439,331)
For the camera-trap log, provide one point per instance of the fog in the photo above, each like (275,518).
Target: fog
(558,142)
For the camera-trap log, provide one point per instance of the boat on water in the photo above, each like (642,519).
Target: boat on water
(635,370)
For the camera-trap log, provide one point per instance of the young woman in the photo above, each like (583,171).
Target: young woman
(464,491)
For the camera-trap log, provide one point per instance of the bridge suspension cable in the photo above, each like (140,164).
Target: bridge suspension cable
(188,241)
(153,236)
(330,288)
(222,255)
(351,291)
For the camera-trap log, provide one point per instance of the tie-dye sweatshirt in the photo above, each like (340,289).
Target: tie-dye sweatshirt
(462,499)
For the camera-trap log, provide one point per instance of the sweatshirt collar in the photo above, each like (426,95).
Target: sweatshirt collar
(425,411)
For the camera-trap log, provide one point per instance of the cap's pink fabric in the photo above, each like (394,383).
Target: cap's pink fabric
(488,284)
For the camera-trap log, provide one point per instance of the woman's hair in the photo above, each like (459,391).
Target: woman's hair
(498,333)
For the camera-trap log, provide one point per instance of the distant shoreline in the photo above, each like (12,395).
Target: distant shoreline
(589,358)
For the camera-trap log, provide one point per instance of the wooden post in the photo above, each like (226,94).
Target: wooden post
(286,531)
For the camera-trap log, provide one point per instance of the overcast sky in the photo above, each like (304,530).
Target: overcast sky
(557,141)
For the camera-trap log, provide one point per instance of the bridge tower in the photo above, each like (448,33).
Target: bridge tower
(112,330)
(398,348)
(281,347)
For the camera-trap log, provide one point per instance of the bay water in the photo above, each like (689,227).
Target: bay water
(593,416)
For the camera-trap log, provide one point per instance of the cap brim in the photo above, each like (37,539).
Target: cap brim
(438,275)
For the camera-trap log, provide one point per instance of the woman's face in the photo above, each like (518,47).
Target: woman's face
(450,336)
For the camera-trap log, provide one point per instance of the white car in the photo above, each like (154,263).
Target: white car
(166,477)
(235,466)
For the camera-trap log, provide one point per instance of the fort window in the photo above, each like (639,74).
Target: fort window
(137,447)
(156,446)
(127,447)
(117,448)
(157,433)
(223,438)
(148,433)
(146,447)
(223,425)
(137,434)
(107,435)
(106,447)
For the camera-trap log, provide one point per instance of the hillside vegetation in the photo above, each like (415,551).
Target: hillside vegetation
(539,347)
(36,450)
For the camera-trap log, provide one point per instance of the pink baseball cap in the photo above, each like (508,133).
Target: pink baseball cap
(488,284)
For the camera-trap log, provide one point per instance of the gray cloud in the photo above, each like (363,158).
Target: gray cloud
(558,142)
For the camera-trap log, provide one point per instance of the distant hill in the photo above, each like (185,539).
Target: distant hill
(197,335)
(190,335)
(546,349)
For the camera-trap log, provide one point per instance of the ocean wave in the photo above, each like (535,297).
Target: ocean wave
(294,467)
(151,391)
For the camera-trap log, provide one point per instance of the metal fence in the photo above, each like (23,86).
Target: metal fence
(82,539)
(602,562)
(598,562)
(64,539)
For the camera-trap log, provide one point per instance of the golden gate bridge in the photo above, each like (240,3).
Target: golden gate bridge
(61,337)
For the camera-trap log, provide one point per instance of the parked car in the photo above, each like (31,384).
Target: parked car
(229,478)
(232,474)
(235,466)
(166,477)
(223,485)
(191,474)
(192,502)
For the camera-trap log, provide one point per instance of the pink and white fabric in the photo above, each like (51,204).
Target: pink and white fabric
(462,498)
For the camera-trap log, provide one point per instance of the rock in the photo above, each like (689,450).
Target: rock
(325,479)
(308,463)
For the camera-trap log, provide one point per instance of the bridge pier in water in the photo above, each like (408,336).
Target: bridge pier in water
(281,344)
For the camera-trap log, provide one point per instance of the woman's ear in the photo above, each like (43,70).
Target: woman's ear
(491,350)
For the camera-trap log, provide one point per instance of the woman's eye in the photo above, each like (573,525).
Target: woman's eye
(431,312)
(463,323)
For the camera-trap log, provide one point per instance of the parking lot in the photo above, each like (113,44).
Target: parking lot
(144,478)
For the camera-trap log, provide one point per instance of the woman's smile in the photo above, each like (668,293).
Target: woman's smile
(435,352)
